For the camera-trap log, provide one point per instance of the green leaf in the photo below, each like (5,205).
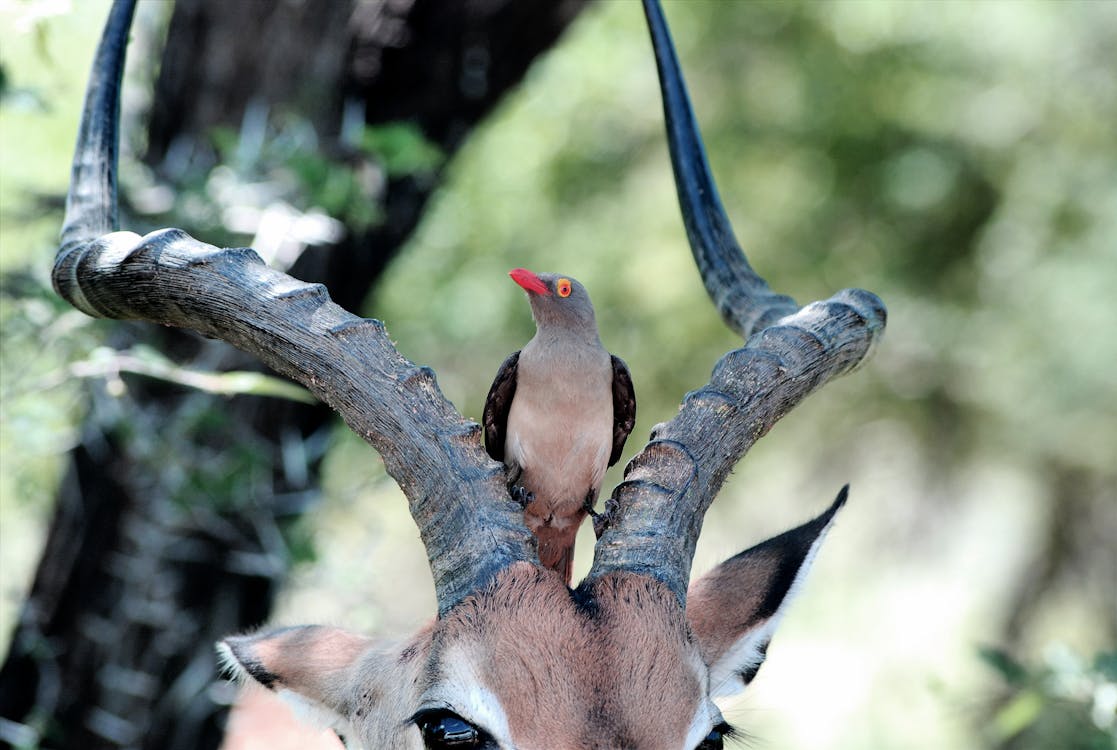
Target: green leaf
(402,148)
(1105,664)
(1011,670)
(1019,714)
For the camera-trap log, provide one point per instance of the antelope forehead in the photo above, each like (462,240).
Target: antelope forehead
(529,701)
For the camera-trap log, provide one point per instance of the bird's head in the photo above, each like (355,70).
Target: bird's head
(557,300)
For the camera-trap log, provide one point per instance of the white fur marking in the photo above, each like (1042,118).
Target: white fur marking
(229,665)
(744,655)
(464,693)
(705,718)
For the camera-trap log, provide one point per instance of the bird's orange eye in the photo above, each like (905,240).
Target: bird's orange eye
(562,286)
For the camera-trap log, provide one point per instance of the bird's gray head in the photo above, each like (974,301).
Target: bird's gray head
(557,301)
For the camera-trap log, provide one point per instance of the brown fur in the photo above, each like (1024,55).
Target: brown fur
(726,602)
(557,661)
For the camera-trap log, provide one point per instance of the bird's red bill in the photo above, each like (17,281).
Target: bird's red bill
(529,281)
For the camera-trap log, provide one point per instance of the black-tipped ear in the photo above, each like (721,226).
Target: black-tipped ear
(733,610)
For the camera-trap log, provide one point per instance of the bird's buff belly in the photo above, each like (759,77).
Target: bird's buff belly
(560,469)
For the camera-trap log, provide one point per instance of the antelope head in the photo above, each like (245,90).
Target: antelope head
(631,658)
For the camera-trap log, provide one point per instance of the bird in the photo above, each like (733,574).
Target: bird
(558,414)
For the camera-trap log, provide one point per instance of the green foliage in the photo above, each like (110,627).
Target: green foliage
(282,160)
(1062,702)
(38,408)
(299,537)
(39,335)
(337,189)
(401,148)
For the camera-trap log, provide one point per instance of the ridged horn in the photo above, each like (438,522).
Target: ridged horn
(654,517)
(457,495)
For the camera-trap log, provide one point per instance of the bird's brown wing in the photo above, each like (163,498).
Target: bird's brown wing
(497,404)
(624,407)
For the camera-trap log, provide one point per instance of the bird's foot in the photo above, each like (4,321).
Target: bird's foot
(521,496)
(600,520)
(587,504)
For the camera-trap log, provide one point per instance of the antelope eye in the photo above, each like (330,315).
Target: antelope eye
(563,287)
(444,730)
(715,740)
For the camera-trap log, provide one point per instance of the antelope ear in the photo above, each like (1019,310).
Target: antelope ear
(310,667)
(733,610)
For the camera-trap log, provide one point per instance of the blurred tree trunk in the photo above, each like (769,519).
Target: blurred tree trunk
(1076,552)
(170,525)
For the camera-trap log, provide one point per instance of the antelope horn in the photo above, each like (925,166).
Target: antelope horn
(91,202)
(655,515)
(457,495)
(745,300)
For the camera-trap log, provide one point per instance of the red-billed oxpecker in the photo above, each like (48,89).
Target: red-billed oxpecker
(558,414)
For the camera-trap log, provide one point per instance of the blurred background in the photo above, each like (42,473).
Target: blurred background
(958,159)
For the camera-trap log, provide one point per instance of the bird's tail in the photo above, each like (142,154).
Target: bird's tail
(556,551)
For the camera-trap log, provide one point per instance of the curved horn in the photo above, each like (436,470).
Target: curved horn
(91,201)
(654,517)
(745,300)
(457,494)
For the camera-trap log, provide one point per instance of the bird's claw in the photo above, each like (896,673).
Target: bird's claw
(600,520)
(600,524)
(521,496)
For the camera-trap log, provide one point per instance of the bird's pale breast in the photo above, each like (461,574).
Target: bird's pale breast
(560,426)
